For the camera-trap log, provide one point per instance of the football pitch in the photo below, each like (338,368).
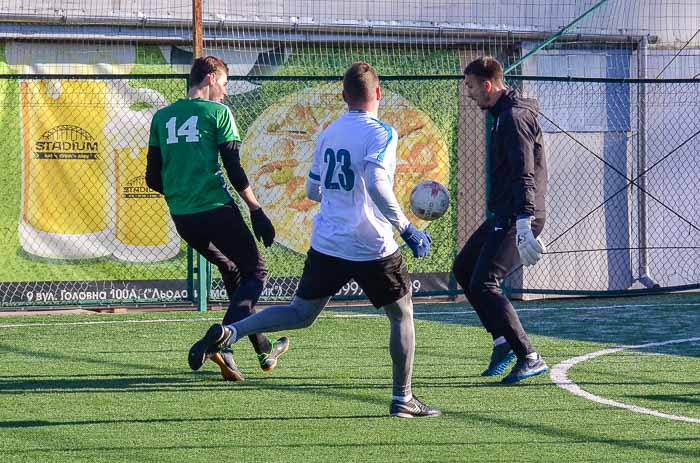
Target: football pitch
(624,387)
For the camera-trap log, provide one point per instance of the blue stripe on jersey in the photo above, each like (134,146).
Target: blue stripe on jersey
(387,127)
(313,176)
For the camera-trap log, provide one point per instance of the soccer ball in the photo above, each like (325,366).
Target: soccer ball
(429,200)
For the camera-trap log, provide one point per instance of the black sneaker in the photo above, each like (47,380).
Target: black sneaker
(414,408)
(526,368)
(213,341)
(229,369)
(269,361)
(501,356)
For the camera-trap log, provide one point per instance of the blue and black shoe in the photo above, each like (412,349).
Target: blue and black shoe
(526,368)
(501,357)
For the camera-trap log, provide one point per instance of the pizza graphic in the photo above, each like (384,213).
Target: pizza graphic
(278,148)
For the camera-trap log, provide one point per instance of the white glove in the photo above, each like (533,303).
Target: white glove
(529,248)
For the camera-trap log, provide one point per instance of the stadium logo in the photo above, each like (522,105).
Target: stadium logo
(137,188)
(67,142)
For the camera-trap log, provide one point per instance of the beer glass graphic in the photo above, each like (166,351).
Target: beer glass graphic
(66,174)
(144,231)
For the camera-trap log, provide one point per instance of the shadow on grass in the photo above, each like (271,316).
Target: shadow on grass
(214,419)
(619,321)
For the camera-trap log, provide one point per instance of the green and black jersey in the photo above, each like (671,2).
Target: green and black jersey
(188,134)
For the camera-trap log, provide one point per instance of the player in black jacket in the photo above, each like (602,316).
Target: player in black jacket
(518,178)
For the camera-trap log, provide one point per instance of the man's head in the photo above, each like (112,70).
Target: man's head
(210,75)
(361,87)
(484,80)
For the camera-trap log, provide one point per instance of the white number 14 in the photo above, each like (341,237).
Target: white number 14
(187,130)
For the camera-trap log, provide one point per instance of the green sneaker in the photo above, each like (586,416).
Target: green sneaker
(269,361)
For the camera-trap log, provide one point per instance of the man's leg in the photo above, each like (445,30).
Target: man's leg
(322,277)
(387,285)
(402,345)
(221,236)
(498,256)
(301,313)
(463,269)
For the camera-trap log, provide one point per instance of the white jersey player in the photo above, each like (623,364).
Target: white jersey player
(352,176)
(350,225)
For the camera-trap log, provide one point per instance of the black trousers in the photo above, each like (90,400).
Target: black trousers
(223,238)
(486,258)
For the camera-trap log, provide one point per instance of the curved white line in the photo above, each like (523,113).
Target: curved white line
(560,378)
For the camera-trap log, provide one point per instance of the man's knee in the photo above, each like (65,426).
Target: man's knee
(482,286)
(401,309)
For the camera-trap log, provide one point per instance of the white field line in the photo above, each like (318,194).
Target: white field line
(560,377)
(379,313)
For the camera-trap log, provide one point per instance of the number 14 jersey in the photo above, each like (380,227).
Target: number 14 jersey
(188,134)
(349,224)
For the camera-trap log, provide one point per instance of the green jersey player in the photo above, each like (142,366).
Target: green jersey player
(186,140)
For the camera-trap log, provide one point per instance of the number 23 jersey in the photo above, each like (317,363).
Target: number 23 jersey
(349,225)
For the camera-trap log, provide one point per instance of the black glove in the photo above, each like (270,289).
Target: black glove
(262,227)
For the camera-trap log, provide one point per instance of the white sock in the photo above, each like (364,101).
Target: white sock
(234,334)
(532,356)
(402,398)
(499,340)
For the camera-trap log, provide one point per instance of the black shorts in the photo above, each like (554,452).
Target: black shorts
(223,238)
(384,280)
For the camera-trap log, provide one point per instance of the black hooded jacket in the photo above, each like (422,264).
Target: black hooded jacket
(517,163)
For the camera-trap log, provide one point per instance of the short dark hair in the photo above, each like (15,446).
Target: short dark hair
(201,67)
(485,68)
(359,82)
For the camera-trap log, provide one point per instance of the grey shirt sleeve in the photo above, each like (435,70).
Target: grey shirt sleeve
(381,191)
(313,190)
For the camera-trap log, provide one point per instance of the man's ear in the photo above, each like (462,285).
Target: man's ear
(488,86)
(344,98)
(379,93)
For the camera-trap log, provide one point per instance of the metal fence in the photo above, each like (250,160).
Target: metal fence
(79,225)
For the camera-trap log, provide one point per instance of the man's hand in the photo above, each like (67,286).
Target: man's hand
(529,248)
(418,241)
(262,227)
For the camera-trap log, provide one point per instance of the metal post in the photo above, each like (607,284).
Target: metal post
(197,36)
(202,283)
(644,276)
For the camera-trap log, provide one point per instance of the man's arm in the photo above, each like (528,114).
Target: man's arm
(154,164)
(381,191)
(231,159)
(262,226)
(313,190)
(520,143)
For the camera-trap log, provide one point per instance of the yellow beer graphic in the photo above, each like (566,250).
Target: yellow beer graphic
(144,231)
(66,174)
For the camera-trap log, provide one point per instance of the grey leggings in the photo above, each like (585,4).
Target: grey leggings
(302,313)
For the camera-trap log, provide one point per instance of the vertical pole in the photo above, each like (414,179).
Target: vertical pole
(190,274)
(202,283)
(644,277)
(197,37)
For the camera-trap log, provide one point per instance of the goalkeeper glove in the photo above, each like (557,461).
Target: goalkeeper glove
(418,241)
(262,227)
(529,247)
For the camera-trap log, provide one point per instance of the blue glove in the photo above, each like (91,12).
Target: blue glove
(418,241)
